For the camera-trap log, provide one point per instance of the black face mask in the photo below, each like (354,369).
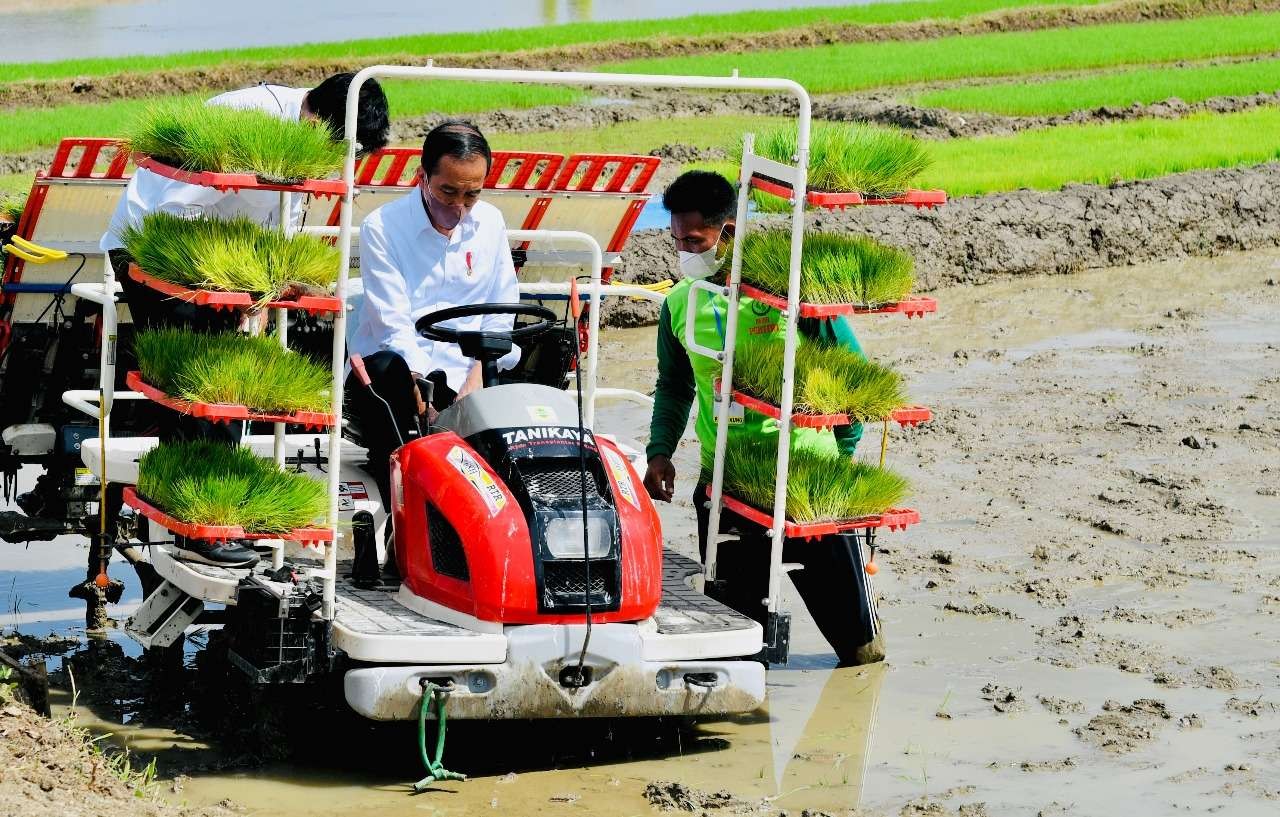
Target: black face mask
(442,215)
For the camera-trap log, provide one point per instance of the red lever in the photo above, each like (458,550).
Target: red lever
(357,366)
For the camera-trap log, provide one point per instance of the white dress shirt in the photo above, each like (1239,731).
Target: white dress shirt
(149,192)
(409,269)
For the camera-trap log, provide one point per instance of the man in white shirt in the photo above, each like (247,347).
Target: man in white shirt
(149,192)
(436,247)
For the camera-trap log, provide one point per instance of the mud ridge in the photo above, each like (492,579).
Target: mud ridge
(50,768)
(877,108)
(1083,226)
(881,109)
(302,72)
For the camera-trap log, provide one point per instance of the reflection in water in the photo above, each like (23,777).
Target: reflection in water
(821,759)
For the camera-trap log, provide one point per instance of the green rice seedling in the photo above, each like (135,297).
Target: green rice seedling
(829,379)
(232,368)
(231,255)
(195,136)
(834,268)
(212,484)
(280,501)
(821,486)
(11,208)
(843,156)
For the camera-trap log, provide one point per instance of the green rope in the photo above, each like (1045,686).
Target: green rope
(435,767)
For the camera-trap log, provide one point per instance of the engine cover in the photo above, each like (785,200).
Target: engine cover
(491,526)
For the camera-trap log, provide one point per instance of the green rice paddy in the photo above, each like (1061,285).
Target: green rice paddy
(1190,84)
(859,66)
(388,49)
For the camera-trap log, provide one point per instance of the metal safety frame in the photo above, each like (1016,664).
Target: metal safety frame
(794,174)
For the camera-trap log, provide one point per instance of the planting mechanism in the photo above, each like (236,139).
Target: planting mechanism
(533,580)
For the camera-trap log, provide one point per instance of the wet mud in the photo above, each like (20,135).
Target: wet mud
(973,239)
(233,75)
(1083,624)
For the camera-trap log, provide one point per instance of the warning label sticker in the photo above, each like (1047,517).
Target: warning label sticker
(622,476)
(480,480)
(349,493)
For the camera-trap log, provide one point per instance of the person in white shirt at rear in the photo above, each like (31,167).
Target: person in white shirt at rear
(436,247)
(149,192)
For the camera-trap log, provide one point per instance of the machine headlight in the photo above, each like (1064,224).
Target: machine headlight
(564,537)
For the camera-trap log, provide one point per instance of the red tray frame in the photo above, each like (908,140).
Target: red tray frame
(317,304)
(838,201)
(894,519)
(233,182)
(911,307)
(306,536)
(905,416)
(226,412)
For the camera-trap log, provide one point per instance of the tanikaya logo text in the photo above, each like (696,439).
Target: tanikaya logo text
(524,435)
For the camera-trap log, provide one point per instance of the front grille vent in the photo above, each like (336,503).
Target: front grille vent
(560,482)
(568,580)
(447,556)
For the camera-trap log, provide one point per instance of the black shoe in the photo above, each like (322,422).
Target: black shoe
(218,554)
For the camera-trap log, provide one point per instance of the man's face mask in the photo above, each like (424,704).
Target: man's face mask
(701,265)
(444,216)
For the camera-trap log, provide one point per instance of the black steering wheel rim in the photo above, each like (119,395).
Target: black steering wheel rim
(427,327)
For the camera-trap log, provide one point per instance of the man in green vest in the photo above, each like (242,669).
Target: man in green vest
(831,581)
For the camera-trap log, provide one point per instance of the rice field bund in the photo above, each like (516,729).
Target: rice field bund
(1083,624)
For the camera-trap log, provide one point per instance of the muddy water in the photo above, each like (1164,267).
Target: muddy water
(109,28)
(1083,625)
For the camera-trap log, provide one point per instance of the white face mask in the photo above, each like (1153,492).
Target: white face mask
(700,265)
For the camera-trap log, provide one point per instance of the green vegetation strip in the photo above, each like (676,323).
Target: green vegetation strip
(212,484)
(821,486)
(513,39)
(1191,84)
(830,379)
(834,268)
(195,136)
(232,368)
(1041,159)
(1142,149)
(26,129)
(836,68)
(233,255)
(14,186)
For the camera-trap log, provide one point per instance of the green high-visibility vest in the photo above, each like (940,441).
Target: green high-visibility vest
(757,322)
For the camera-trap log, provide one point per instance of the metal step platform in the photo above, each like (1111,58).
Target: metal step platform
(371,625)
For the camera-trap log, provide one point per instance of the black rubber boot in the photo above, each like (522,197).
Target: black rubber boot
(219,554)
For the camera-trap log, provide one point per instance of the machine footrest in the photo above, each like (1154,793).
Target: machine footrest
(163,617)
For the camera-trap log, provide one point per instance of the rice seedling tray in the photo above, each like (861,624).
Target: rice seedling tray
(839,201)
(232,182)
(894,519)
(906,416)
(305,536)
(317,304)
(911,307)
(226,412)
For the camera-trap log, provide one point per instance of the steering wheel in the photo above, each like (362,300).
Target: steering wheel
(428,328)
(481,345)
